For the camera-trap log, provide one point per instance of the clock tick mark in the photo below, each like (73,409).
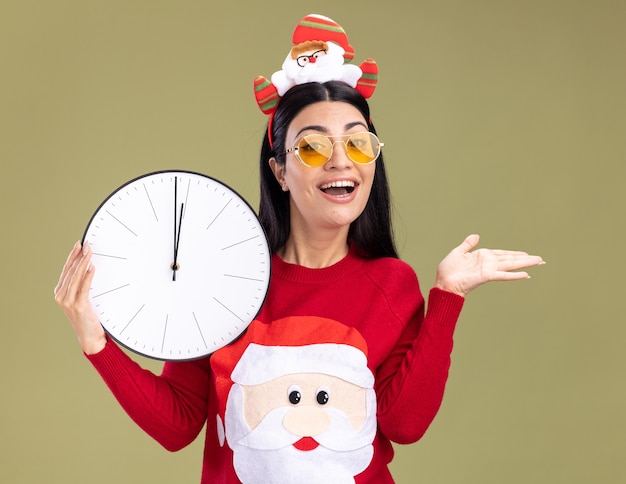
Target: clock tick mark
(220,213)
(227,308)
(131,319)
(243,277)
(99,254)
(164,333)
(150,201)
(199,329)
(111,290)
(121,223)
(240,242)
(187,195)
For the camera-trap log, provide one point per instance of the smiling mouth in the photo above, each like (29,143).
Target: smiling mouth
(338,188)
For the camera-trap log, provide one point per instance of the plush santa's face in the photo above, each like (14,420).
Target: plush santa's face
(306,65)
(309,427)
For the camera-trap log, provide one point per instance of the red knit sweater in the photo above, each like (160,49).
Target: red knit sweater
(408,352)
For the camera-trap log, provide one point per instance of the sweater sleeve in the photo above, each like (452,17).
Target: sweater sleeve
(170,407)
(411,381)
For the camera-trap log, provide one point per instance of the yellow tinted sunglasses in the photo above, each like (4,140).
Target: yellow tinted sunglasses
(316,149)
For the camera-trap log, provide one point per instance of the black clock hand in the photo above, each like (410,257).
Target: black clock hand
(180,224)
(177,224)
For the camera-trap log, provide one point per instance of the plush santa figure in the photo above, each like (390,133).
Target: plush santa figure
(299,402)
(320,52)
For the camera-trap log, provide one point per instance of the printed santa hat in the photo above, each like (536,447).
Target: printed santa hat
(293,345)
(260,364)
(318,28)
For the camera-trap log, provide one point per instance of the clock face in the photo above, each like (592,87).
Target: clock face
(182,265)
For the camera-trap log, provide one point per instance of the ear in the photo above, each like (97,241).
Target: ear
(279,173)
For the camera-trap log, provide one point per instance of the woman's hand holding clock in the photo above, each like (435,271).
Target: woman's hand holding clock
(72,294)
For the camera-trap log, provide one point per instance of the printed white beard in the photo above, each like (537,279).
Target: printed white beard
(266,454)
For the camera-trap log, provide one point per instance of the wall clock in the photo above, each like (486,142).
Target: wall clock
(182,265)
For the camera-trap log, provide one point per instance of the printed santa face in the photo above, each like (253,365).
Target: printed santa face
(301,414)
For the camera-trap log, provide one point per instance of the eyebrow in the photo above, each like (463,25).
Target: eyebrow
(317,127)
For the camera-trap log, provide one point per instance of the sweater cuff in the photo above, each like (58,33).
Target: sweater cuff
(444,306)
(111,362)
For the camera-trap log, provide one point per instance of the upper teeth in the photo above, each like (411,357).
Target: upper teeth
(337,184)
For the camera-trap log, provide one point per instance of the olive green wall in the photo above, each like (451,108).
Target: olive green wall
(502,117)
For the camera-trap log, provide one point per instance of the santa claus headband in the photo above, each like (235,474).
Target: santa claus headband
(320,52)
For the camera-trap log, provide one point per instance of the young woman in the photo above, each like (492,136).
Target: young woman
(343,357)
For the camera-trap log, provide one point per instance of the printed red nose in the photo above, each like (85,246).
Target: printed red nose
(312,60)
(306,443)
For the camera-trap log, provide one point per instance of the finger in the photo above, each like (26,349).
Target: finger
(67,266)
(519,262)
(469,243)
(69,271)
(77,277)
(528,259)
(500,252)
(510,276)
(86,282)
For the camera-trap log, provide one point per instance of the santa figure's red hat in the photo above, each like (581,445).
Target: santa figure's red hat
(318,27)
(293,345)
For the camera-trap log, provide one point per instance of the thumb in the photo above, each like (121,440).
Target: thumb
(469,243)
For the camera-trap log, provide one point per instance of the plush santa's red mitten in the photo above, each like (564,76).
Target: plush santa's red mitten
(265,94)
(368,81)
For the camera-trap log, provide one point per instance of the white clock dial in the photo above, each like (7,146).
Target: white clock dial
(182,265)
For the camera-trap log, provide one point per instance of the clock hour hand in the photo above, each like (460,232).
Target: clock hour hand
(175,265)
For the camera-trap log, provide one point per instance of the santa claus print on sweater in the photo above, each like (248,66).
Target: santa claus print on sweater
(297,402)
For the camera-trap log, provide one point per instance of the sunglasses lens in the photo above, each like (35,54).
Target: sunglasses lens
(314,149)
(363,147)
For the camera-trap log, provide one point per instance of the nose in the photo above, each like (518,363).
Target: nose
(312,59)
(339,157)
(306,421)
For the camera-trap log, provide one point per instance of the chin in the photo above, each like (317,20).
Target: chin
(342,218)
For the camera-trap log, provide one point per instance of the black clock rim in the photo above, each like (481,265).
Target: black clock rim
(190,172)
(180,360)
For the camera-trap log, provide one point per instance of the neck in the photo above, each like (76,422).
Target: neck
(315,252)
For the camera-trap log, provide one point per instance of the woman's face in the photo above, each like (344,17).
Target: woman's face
(333,195)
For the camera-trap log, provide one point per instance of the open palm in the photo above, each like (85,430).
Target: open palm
(464,269)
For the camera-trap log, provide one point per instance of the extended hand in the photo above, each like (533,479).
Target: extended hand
(463,270)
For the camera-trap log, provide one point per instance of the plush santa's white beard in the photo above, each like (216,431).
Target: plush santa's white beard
(332,62)
(267,455)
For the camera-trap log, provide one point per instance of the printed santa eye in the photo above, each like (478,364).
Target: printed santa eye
(294,394)
(323,395)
